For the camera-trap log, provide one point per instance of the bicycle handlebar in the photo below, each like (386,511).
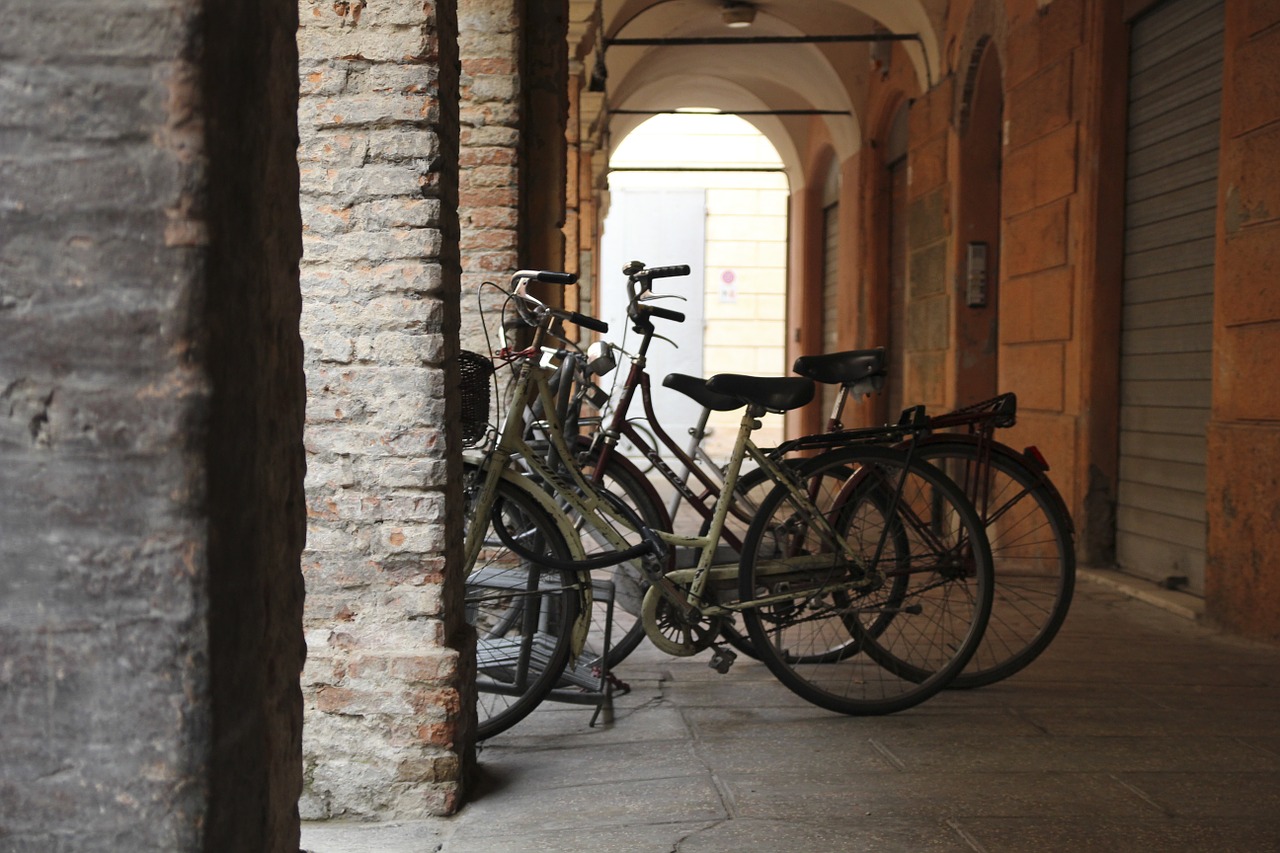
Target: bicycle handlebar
(636,273)
(582,320)
(639,282)
(664,313)
(532,310)
(545,276)
(665,272)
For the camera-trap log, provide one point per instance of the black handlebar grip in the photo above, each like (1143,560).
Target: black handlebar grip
(587,322)
(557,277)
(666,272)
(665,313)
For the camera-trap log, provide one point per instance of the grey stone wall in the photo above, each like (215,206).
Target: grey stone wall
(150,413)
(388,718)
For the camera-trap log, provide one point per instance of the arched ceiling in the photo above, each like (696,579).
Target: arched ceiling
(726,96)
(829,77)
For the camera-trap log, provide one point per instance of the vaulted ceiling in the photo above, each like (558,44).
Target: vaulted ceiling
(790,67)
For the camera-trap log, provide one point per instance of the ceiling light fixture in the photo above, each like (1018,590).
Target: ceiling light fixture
(737,15)
(599,75)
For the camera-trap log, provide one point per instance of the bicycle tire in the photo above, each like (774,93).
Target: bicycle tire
(521,649)
(899,640)
(1032,552)
(876,501)
(624,480)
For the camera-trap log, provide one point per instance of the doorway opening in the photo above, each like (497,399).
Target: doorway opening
(708,190)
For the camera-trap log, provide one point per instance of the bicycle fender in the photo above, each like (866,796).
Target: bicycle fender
(479,462)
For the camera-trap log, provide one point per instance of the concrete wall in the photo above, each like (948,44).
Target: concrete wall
(388,713)
(150,429)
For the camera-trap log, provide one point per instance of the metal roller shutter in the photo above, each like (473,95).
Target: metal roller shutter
(1175,89)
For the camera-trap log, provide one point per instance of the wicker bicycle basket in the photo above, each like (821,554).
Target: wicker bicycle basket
(474,371)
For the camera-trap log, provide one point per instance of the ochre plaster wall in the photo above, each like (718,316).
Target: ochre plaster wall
(1242,584)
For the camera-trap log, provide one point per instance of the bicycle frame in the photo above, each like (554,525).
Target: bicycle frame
(596,510)
(809,573)
(577,493)
(979,422)
(620,427)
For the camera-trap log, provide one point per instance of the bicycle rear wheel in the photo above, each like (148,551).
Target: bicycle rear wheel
(1032,552)
(893,624)
(623,479)
(752,488)
(523,612)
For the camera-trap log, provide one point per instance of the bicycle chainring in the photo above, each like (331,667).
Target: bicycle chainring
(673,633)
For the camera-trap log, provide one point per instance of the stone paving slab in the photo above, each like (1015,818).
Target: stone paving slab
(959,752)
(336,836)
(518,769)
(845,834)
(650,838)
(1139,730)
(941,796)
(625,802)
(1200,794)
(1156,835)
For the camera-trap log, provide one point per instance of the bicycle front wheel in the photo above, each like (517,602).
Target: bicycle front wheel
(523,611)
(879,603)
(1032,553)
(623,479)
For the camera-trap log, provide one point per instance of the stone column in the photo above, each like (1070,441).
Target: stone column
(387,716)
(151,401)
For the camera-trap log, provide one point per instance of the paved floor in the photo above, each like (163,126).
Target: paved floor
(1139,730)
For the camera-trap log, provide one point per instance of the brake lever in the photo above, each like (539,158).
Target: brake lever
(654,297)
(668,340)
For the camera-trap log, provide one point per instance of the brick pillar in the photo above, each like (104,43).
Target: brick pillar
(489,193)
(387,715)
(151,400)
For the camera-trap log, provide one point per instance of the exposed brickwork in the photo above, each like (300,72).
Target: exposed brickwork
(489,194)
(387,724)
(150,430)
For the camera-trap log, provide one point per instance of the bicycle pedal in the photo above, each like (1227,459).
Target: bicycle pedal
(722,659)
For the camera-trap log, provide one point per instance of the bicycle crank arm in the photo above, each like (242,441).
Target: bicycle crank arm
(677,595)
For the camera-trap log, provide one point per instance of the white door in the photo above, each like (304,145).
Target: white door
(660,228)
